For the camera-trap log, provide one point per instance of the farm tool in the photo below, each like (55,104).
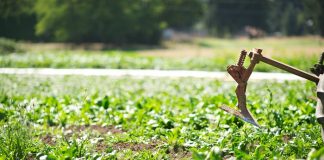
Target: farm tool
(241,75)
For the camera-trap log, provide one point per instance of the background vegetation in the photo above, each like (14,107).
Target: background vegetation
(198,54)
(142,21)
(288,17)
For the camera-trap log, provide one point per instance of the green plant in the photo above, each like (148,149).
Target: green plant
(16,141)
(8,46)
(152,118)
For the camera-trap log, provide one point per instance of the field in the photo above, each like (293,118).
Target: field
(128,118)
(93,117)
(197,54)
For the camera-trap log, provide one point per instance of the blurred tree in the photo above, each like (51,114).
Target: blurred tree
(14,8)
(290,23)
(314,15)
(17,19)
(141,21)
(231,16)
(182,14)
(288,17)
(320,18)
(122,21)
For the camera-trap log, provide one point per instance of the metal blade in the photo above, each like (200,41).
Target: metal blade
(238,114)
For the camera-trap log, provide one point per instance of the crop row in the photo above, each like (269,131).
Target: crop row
(73,116)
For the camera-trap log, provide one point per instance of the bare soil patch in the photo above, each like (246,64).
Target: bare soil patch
(97,128)
(135,146)
(101,147)
(179,153)
(48,139)
(286,138)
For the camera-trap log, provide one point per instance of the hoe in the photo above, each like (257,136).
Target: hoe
(241,75)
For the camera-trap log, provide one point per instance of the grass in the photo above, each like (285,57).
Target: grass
(197,54)
(66,117)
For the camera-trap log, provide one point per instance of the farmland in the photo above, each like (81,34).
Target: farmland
(104,117)
(197,54)
(94,117)
(157,79)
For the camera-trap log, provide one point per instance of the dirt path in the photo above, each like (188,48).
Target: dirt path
(136,73)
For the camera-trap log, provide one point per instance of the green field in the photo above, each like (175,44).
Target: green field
(66,117)
(158,79)
(198,54)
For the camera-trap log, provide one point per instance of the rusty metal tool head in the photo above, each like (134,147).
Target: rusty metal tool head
(241,75)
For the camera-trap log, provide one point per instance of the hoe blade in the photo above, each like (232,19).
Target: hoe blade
(247,118)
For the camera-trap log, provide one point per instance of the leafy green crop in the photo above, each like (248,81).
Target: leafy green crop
(125,118)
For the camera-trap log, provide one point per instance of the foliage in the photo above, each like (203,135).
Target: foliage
(8,46)
(142,21)
(17,19)
(180,14)
(296,17)
(315,13)
(227,17)
(14,8)
(165,117)
(118,22)
(289,17)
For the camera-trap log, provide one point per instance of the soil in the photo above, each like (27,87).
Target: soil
(101,146)
(179,153)
(286,138)
(134,146)
(97,128)
(48,139)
